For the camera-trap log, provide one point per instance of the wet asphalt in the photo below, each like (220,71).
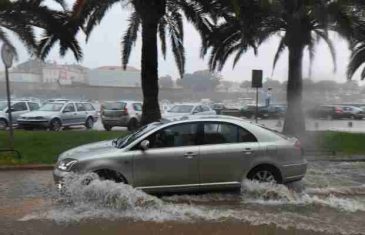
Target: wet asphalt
(330,200)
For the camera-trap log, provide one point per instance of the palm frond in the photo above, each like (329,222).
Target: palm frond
(130,37)
(278,53)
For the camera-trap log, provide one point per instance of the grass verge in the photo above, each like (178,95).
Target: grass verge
(42,147)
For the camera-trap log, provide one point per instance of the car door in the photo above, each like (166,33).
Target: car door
(81,113)
(137,107)
(69,115)
(172,160)
(18,109)
(226,153)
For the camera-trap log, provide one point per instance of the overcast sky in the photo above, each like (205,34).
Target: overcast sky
(104,48)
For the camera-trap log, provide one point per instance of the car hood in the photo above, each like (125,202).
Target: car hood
(89,150)
(38,114)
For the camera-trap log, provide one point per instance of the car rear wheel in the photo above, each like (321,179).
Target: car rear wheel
(3,124)
(133,124)
(89,124)
(55,125)
(108,128)
(265,174)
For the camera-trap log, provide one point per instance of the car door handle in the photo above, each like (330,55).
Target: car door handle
(248,151)
(190,155)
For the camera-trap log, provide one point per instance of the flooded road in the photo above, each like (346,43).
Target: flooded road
(330,200)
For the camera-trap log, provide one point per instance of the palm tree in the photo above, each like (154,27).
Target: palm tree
(156,18)
(299,23)
(22,17)
(357,46)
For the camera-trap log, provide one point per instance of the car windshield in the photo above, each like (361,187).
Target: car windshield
(181,109)
(113,106)
(52,107)
(124,141)
(3,105)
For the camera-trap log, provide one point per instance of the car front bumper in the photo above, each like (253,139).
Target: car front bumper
(33,123)
(58,177)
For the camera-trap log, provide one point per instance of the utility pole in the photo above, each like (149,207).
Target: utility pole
(7,55)
(257,83)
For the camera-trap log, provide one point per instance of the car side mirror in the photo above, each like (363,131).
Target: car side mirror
(144,145)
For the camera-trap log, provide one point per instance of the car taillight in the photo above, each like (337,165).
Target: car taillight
(298,145)
(338,110)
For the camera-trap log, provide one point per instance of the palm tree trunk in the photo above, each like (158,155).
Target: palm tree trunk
(294,119)
(151,109)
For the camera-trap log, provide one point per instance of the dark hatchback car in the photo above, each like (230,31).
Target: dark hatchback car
(328,112)
(273,111)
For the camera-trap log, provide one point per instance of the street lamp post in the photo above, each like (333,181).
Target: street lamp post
(7,55)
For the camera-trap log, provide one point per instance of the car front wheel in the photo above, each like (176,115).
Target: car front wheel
(89,124)
(3,124)
(55,125)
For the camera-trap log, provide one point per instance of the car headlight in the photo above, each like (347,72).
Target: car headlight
(66,164)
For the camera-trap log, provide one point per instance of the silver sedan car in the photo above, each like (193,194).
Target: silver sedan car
(198,154)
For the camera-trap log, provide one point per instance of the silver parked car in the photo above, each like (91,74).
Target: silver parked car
(18,107)
(55,115)
(121,113)
(190,155)
(183,111)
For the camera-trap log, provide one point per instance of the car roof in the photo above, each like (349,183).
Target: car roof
(124,101)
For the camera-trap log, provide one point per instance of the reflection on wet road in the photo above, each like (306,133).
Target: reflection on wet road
(331,199)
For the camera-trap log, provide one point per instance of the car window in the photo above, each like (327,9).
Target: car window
(21,106)
(245,136)
(113,106)
(224,133)
(137,107)
(205,109)
(176,136)
(89,107)
(181,109)
(198,109)
(33,106)
(69,108)
(80,107)
(52,107)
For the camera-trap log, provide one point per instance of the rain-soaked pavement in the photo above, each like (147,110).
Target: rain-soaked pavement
(330,200)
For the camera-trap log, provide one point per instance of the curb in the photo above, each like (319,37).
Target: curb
(37,167)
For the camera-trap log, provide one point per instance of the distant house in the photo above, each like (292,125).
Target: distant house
(114,76)
(38,71)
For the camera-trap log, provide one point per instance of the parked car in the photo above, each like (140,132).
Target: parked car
(273,111)
(121,113)
(221,109)
(189,155)
(56,115)
(335,112)
(183,111)
(18,107)
(353,112)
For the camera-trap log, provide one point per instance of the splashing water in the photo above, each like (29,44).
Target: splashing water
(315,208)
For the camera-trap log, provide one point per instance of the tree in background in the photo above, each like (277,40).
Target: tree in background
(163,18)
(300,23)
(166,82)
(200,81)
